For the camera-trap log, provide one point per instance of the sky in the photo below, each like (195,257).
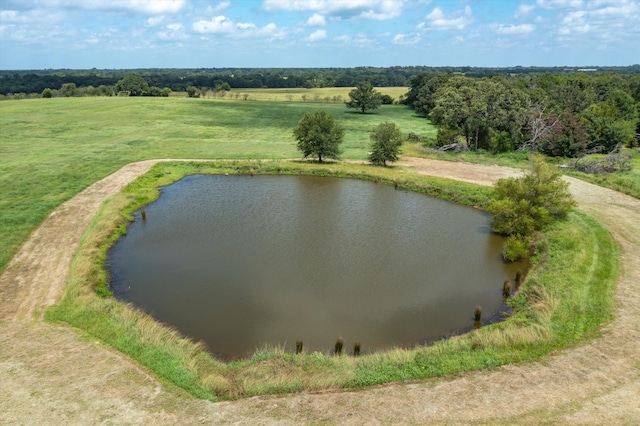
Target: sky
(125,34)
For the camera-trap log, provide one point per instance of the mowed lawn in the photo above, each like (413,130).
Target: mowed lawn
(50,149)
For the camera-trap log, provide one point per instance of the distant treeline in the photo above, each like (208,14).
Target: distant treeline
(35,81)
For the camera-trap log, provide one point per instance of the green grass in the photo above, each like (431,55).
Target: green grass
(567,295)
(50,149)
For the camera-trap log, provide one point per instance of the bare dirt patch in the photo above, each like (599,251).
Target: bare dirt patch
(51,374)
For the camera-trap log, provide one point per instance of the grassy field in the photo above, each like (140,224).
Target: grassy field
(50,149)
(567,294)
(322,95)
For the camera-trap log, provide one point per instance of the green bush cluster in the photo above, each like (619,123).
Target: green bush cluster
(524,205)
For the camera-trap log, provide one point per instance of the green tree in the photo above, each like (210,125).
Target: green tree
(568,137)
(386,100)
(364,97)
(605,129)
(423,88)
(526,204)
(47,93)
(459,106)
(68,90)
(386,140)
(479,108)
(318,135)
(193,92)
(132,85)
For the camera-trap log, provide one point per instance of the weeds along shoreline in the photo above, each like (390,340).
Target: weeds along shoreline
(567,294)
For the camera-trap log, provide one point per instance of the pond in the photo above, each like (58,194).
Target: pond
(239,262)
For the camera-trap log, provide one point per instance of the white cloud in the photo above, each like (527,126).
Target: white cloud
(9,16)
(360,40)
(218,7)
(341,9)
(316,20)
(223,25)
(525,10)
(155,20)
(514,29)
(217,25)
(173,32)
(600,22)
(437,20)
(559,4)
(318,35)
(246,26)
(152,7)
(342,39)
(406,38)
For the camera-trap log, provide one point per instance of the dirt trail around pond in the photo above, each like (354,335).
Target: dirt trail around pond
(52,374)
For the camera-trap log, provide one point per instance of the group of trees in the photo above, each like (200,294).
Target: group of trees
(131,85)
(558,115)
(320,136)
(35,81)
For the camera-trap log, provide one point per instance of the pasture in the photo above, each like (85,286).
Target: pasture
(51,149)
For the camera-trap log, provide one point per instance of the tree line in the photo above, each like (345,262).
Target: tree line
(555,114)
(35,81)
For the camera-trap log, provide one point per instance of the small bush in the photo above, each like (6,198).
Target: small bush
(516,248)
(414,137)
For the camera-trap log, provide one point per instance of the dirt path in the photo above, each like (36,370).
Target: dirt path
(52,374)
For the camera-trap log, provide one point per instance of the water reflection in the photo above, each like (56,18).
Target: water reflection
(239,261)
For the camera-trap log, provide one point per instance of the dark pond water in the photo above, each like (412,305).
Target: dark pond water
(240,261)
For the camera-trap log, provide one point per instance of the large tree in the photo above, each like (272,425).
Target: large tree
(386,140)
(364,97)
(480,108)
(319,135)
(458,105)
(133,85)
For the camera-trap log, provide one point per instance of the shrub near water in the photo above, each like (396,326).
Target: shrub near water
(527,204)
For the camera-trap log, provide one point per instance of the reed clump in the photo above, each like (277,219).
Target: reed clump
(337,350)
(477,317)
(506,289)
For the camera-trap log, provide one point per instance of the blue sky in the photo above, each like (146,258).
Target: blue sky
(37,34)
